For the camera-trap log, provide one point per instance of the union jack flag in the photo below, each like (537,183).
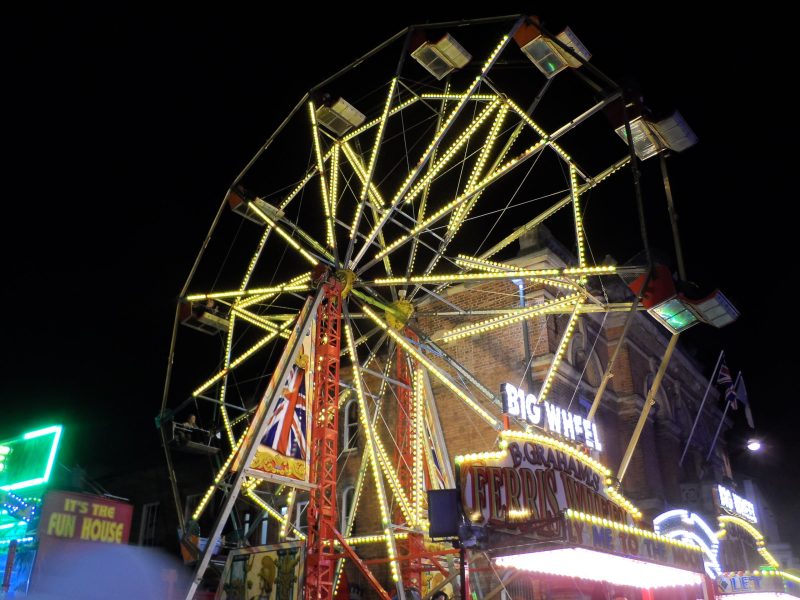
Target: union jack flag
(286,429)
(724,375)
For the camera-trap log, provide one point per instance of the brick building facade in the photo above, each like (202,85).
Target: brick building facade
(654,481)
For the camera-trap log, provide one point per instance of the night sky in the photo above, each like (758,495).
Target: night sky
(122,132)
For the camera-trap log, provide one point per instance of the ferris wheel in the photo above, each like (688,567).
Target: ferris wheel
(366,249)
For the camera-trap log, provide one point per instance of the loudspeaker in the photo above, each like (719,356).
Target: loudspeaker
(444,513)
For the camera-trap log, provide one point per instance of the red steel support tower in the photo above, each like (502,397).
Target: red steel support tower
(411,548)
(321,512)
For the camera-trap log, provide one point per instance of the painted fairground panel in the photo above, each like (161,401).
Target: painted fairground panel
(263,573)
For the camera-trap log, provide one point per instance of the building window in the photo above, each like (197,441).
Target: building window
(348,497)
(350,427)
(147,528)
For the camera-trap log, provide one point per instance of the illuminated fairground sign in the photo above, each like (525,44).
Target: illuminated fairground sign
(734,504)
(553,418)
(533,479)
(538,490)
(84,517)
(27,460)
(766,583)
(689,527)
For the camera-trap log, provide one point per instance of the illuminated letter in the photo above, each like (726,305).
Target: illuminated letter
(566,421)
(597,445)
(533,410)
(553,417)
(510,404)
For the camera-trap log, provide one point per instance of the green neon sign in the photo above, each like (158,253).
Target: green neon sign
(28,460)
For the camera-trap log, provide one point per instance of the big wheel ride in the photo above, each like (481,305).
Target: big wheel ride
(328,283)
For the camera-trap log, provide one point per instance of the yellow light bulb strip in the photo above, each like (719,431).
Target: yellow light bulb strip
(417,440)
(304,278)
(423,203)
(371,445)
(240,359)
(334,191)
(509,318)
(724,519)
(258,321)
(279,289)
(381,128)
(426,155)
(401,341)
(490,266)
(518,274)
(473,262)
(273,513)
(454,203)
(217,478)
(541,132)
(388,470)
(360,540)
(298,188)
(258,298)
(624,502)
(450,153)
(462,212)
(474,97)
(576,205)
(289,509)
(254,259)
(363,469)
(574,515)
(533,223)
(788,576)
(562,348)
(434,143)
(384,381)
(480,456)
(528,436)
(493,56)
(370,170)
(373,122)
(359,169)
(223,389)
(374,195)
(771,561)
(321,172)
(282,232)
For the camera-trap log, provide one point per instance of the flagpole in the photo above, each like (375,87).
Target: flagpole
(725,412)
(702,404)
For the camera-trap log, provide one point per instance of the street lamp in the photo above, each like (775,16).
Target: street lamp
(754,444)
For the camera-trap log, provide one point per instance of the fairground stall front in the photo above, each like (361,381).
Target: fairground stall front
(735,551)
(26,463)
(547,521)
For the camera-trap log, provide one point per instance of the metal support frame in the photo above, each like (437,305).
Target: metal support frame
(321,512)
(412,546)
(250,445)
(648,404)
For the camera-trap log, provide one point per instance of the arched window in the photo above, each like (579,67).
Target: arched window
(350,425)
(346,507)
